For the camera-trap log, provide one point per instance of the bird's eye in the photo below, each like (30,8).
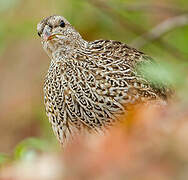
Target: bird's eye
(39,34)
(62,24)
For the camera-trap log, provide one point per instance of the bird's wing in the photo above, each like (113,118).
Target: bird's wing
(124,62)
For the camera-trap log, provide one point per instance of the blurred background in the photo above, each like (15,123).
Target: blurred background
(158,28)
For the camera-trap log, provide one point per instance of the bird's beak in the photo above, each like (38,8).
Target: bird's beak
(47,34)
(51,37)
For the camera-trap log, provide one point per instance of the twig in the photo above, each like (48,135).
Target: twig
(160,30)
(138,30)
(154,8)
(123,21)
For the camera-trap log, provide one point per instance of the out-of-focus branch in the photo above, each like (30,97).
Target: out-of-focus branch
(154,8)
(137,29)
(123,21)
(160,30)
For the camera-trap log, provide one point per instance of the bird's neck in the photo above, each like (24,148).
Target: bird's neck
(68,49)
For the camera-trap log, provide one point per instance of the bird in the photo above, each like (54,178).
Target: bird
(90,83)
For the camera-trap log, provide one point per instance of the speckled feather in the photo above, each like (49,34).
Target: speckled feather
(89,83)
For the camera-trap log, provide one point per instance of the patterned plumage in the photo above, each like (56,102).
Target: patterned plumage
(89,83)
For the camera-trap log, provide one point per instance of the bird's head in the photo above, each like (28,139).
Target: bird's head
(57,33)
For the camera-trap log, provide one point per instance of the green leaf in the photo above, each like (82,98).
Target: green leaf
(27,148)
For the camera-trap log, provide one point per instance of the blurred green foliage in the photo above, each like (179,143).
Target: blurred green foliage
(5,5)
(27,148)
(164,73)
